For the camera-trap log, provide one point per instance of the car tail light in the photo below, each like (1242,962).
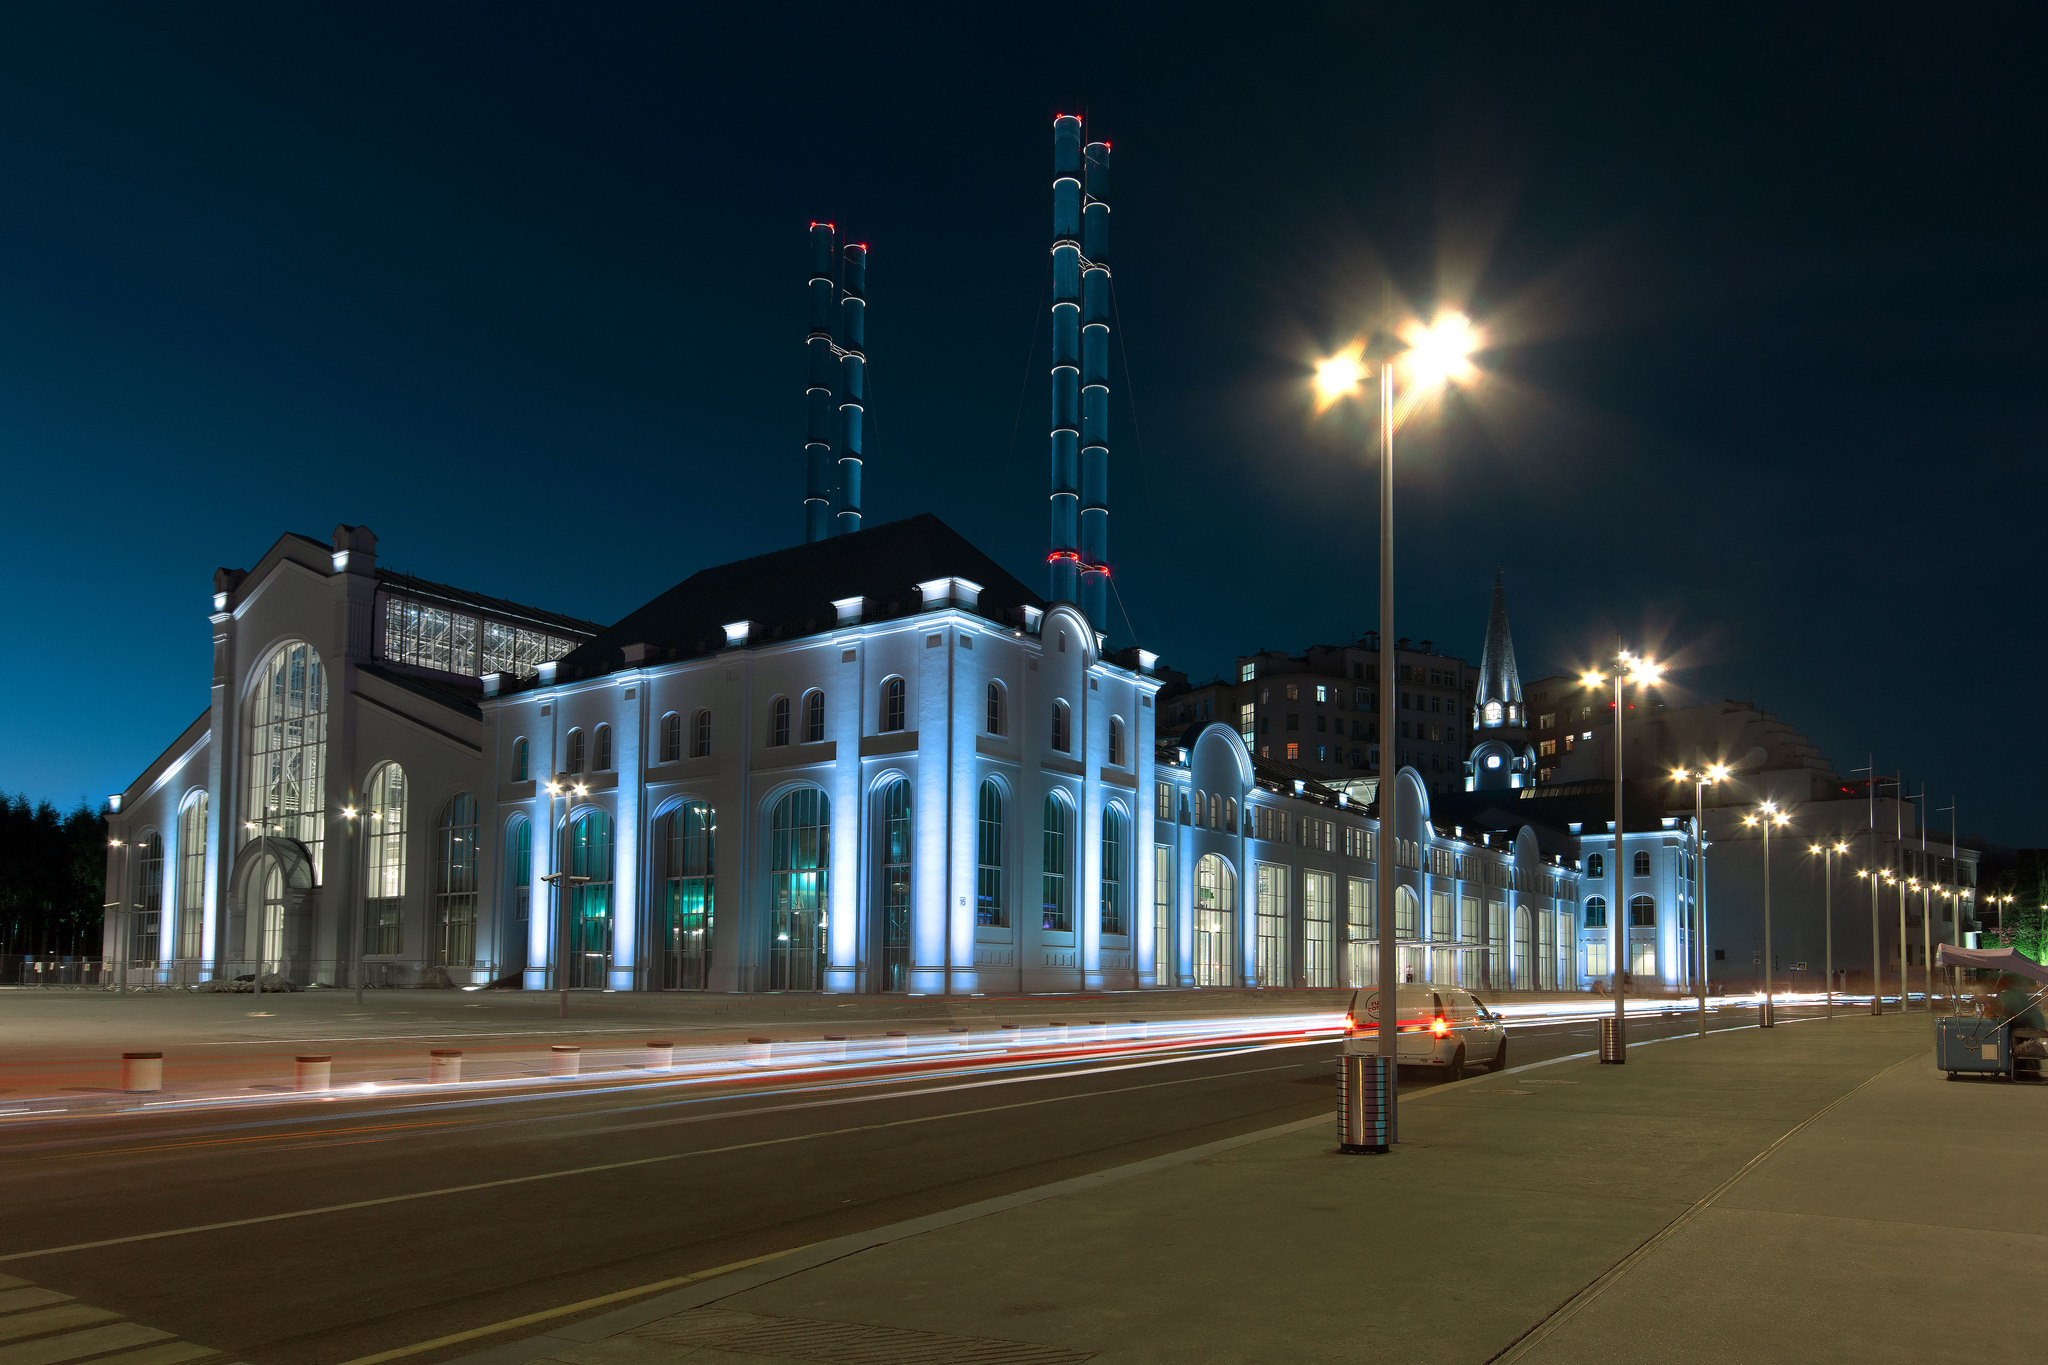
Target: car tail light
(1440,1026)
(1350,1024)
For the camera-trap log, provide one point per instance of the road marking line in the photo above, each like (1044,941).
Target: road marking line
(625,1165)
(52,1320)
(566,1309)
(72,1345)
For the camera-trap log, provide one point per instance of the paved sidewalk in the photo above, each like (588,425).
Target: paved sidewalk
(1810,1192)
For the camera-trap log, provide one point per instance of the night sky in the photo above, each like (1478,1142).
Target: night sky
(522,288)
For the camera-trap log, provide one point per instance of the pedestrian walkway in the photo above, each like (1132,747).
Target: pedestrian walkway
(1812,1192)
(43,1327)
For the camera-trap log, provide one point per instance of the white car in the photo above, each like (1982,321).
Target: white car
(1441,1027)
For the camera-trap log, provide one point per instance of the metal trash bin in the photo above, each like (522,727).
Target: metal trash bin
(1364,1115)
(1613,1041)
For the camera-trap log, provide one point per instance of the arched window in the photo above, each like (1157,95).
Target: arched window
(575,751)
(192,877)
(1642,912)
(1061,740)
(1596,866)
(799,865)
(146,921)
(1230,813)
(892,704)
(1059,833)
(1215,962)
(1525,963)
(700,735)
(590,901)
(814,717)
(1112,871)
(519,768)
(1596,912)
(519,879)
(1215,811)
(893,930)
(989,906)
(1407,913)
(384,829)
(998,717)
(1116,742)
(671,737)
(1642,861)
(455,894)
(288,749)
(689,840)
(778,722)
(601,749)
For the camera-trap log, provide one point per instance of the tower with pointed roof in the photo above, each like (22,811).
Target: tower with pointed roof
(1501,753)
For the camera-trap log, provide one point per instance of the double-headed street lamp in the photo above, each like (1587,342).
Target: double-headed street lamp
(1827,853)
(1766,816)
(565,787)
(1435,355)
(1644,673)
(1701,780)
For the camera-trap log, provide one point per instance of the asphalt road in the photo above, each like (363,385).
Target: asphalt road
(620,1185)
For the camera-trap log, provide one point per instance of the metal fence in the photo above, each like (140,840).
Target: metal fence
(74,973)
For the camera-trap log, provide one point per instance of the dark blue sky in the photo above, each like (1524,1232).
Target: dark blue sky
(522,289)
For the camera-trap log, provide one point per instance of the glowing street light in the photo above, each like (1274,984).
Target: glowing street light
(566,787)
(1437,354)
(1827,854)
(1765,817)
(1701,780)
(1643,672)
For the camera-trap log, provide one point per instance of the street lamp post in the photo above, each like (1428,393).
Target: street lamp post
(120,904)
(1706,777)
(1766,816)
(1828,852)
(1643,672)
(1438,355)
(564,787)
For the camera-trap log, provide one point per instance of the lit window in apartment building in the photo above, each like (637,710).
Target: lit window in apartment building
(1322,693)
(1246,672)
(1293,692)
(1294,751)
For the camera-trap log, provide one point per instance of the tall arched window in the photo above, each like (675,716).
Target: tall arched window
(1112,871)
(989,906)
(892,704)
(575,751)
(1525,965)
(1642,912)
(1230,813)
(1642,862)
(671,737)
(814,717)
(288,749)
(1116,742)
(146,921)
(1596,912)
(455,884)
(778,722)
(700,735)
(1596,866)
(998,718)
(192,878)
(519,765)
(1407,913)
(601,749)
(689,840)
(590,901)
(1059,832)
(893,925)
(799,868)
(519,881)
(1215,922)
(1062,739)
(384,891)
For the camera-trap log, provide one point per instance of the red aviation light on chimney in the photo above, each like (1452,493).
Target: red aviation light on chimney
(1057,555)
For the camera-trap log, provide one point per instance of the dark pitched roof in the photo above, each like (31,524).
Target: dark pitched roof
(1499,680)
(405,585)
(790,592)
(455,692)
(1587,804)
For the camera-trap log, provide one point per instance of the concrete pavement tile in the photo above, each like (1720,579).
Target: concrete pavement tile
(635,1351)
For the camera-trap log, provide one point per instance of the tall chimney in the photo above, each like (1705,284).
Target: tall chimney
(818,384)
(853,382)
(1095,389)
(1065,556)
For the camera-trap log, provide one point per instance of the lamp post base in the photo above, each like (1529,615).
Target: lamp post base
(1365,1110)
(1613,1043)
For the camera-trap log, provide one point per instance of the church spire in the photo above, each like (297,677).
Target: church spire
(1500,684)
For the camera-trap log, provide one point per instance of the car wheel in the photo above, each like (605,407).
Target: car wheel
(1456,1070)
(1500,1058)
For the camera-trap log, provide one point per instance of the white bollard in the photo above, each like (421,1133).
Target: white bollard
(760,1051)
(1139,1024)
(312,1073)
(1098,1029)
(896,1044)
(444,1066)
(1056,1032)
(835,1047)
(142,1073)
(565,1060)
(957,1037)
(1008,1036)
(661,1056)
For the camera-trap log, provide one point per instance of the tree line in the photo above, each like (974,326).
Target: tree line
(53,876)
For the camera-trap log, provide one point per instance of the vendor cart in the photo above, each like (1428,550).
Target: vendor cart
(1965,1046)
